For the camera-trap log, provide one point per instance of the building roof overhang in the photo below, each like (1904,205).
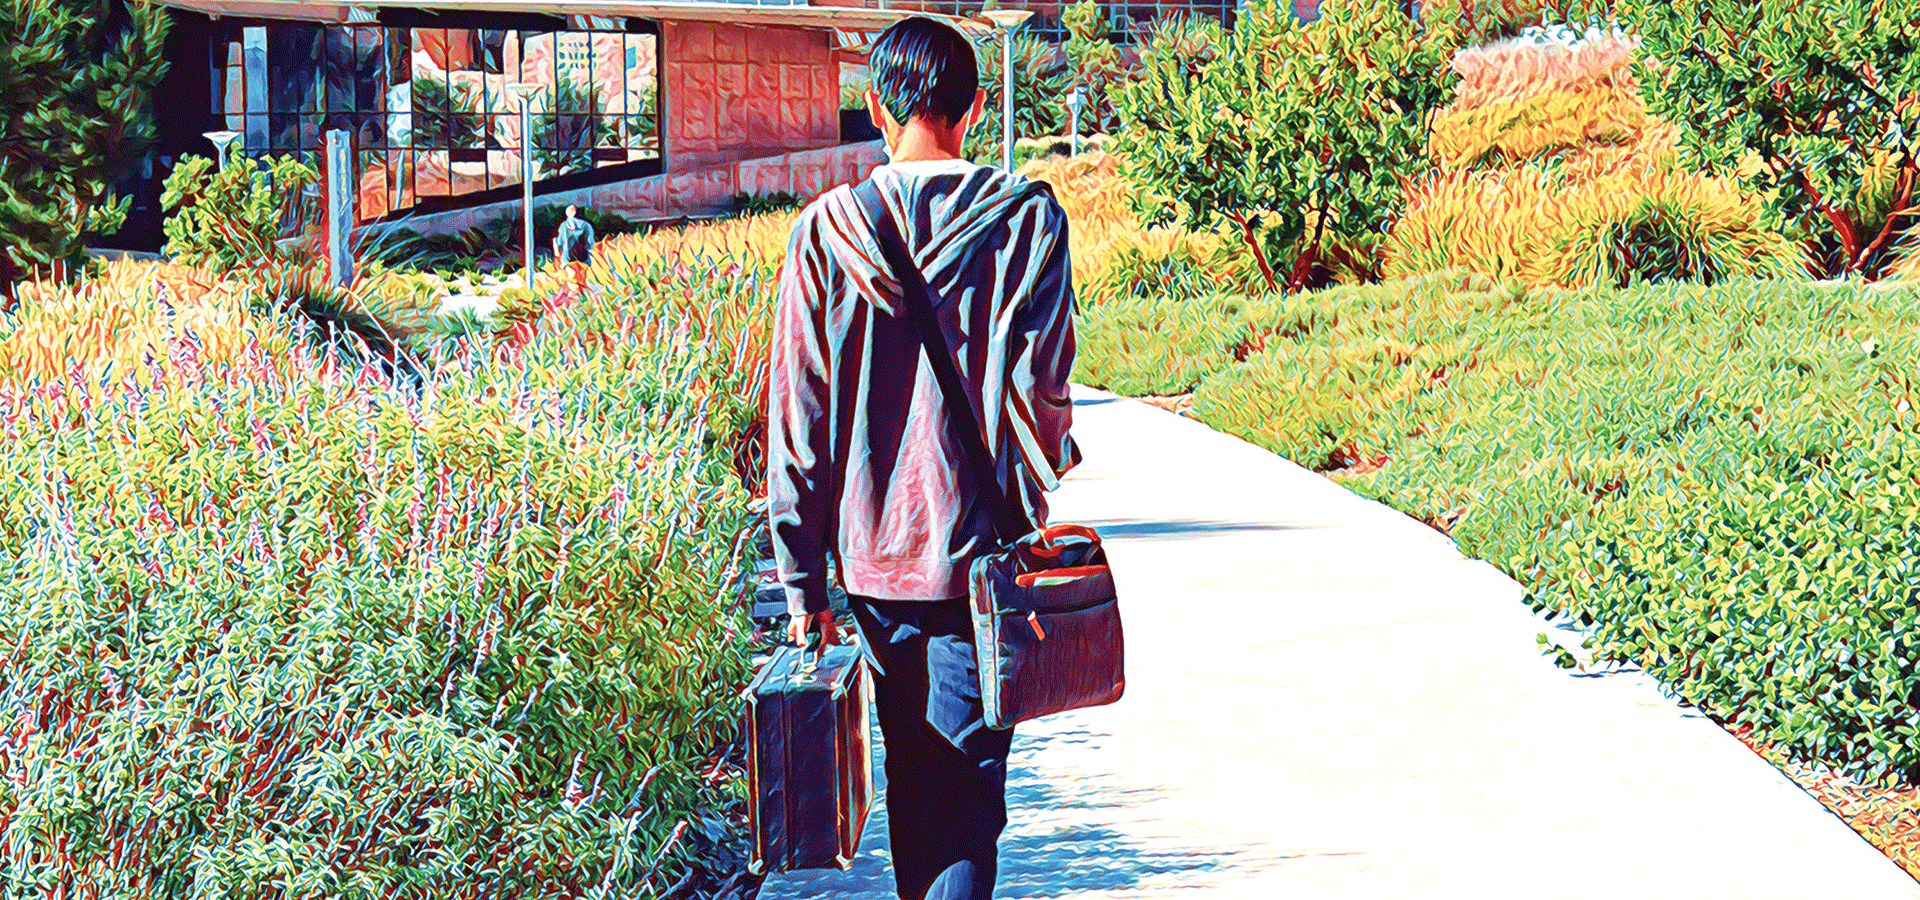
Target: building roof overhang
(845,18)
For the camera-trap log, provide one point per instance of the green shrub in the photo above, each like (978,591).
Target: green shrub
(76,96)
(495,243)
(762,204)
(1810,102)
(1299,136)
(226,218)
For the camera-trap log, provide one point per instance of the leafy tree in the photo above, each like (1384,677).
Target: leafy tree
(75,80)
(1094,65)
(1813,104)
(1300,136)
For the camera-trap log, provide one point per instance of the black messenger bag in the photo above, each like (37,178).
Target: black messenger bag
(1046,619)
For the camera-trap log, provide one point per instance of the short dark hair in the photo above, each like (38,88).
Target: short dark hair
(922,67)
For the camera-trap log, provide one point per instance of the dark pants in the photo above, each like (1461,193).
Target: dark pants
(946,770)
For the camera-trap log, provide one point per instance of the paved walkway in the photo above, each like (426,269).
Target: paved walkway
(1325,700)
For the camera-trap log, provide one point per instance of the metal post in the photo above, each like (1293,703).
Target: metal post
(1073,122)
(526,179)
(221,140)
(1006,20)
(340,191)
(1006,156)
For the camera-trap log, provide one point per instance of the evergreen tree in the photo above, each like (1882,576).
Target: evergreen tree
(76,78)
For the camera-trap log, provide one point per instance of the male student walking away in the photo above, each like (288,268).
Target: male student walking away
(573,245)
(865,463)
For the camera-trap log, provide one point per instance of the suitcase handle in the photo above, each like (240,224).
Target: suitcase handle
(817,644)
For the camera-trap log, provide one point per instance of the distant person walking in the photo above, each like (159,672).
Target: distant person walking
(864,460)
(573,245)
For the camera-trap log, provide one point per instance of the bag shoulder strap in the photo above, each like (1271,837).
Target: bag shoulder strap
(917,295)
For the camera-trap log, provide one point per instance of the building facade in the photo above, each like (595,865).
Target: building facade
(646,110)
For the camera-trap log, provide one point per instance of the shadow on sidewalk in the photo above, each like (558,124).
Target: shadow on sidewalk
(1195,527)
(1062,839)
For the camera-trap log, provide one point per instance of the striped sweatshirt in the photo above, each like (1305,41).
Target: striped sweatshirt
(863,463)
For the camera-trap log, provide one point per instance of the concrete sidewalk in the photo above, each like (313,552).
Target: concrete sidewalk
(1325,700)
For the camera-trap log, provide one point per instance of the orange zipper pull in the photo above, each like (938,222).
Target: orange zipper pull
(1033,618)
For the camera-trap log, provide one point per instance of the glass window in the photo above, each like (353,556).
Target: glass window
(429,108)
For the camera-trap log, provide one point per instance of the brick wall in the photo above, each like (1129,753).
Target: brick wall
(737,92)
(804,173)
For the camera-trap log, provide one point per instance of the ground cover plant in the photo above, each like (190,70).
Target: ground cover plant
(277,624)
(1707,479)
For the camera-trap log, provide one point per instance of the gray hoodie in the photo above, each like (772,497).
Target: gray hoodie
(861,462)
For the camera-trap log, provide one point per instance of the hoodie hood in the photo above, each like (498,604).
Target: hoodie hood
(944,209)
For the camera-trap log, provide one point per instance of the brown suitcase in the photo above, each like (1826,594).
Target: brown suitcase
(809,759)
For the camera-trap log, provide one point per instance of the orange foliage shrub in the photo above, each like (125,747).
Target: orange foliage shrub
(1549,170)
(1515,70)
(132,312)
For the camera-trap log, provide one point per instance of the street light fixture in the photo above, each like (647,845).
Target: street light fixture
(221,141)
(1007,20)
(525,90)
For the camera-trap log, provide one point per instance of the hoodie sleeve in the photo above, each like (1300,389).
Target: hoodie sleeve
(800,499)
(1040,396)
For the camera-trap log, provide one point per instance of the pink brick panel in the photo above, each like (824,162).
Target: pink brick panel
(731,43)
(702,190)
(739,92)
(762,177)
(638,198)
(732,123)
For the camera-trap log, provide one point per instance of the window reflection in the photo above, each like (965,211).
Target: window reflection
(429,108)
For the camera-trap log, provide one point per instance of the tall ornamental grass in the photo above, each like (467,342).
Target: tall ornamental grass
(1548,169)
(276,626)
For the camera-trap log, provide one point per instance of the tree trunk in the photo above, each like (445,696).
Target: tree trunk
(9,282)
(1259,253)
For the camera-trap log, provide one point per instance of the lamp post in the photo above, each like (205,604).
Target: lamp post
(221,141)
(1006,20)
(1074,100)
(525,91)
